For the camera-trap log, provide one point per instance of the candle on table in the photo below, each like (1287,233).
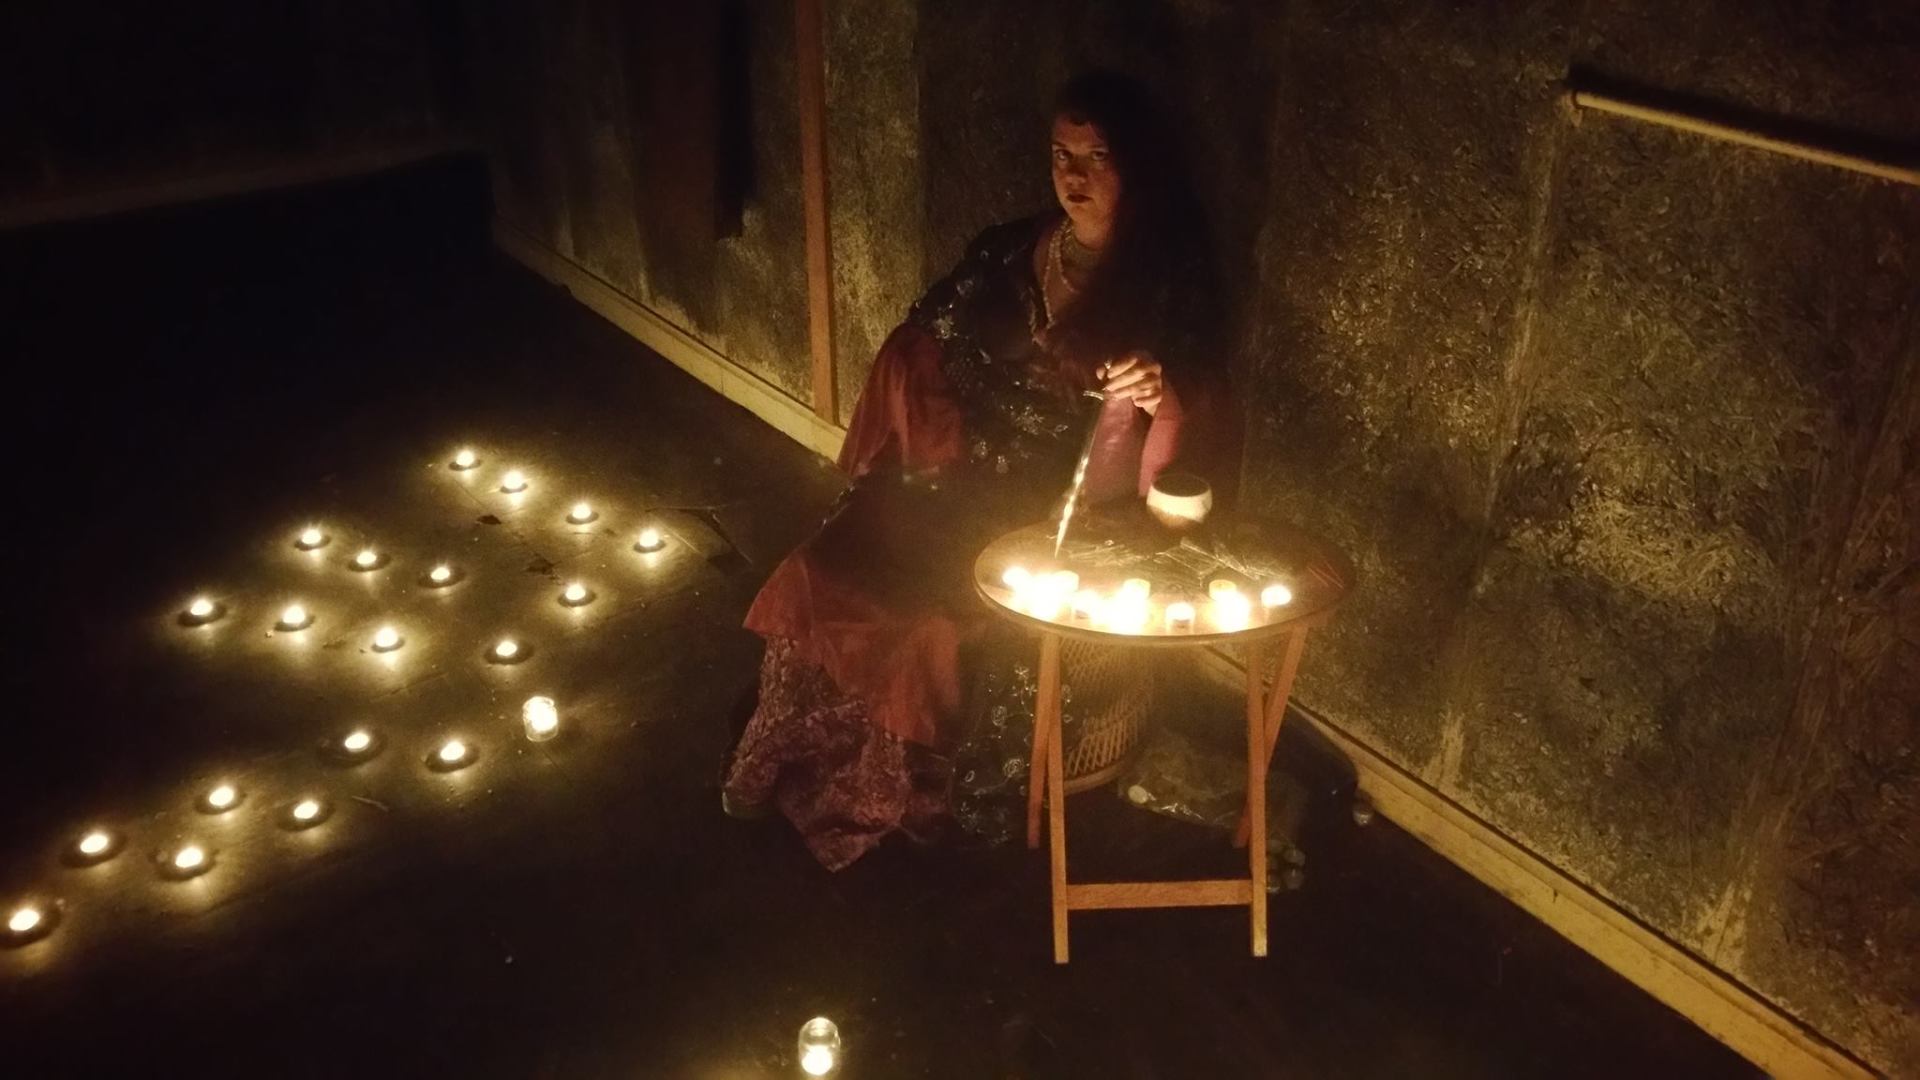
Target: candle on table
(1086,605)
(191,860)
(650,540)
(1276,595)
(1220,587)
(1232,611)
(1180,616)
(506,649)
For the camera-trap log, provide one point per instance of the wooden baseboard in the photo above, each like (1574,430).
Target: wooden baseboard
(691,355)
(1746,1022)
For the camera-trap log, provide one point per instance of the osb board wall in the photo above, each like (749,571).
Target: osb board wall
(567,124)
(1618,423)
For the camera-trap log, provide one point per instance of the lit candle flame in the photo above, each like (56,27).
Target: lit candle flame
(650,540)
(1276,596)
(515,481)
(357,741)
(575,593)
(23,920)
(1180,615)
(306,810)
(452,750)
(95,842)
(190,857)
(386,639)
(465,459)
(580,514)
(507,649)
(1016,578)
(312,537)
(200,608)
(541,717)
(294,617)
(222,797)
(441,574)
(366,559)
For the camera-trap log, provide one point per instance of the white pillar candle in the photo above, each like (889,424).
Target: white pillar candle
(541,718)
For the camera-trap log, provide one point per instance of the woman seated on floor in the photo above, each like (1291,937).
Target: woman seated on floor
(969,426)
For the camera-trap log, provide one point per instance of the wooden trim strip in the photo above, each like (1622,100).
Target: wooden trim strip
(1737,1016)
(1713,129)
(682,349)
(1160,894)
(811,54)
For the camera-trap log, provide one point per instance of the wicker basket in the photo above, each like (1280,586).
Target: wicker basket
(1112,691)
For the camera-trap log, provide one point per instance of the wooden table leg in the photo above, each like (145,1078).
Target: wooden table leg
(1046,711)
(1276,709)
(1042,735)
(1257,792)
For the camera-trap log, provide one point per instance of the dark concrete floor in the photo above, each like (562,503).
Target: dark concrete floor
(200,382)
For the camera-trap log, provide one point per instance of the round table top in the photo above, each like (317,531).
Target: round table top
(1239,556)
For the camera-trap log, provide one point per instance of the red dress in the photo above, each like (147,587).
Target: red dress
(965,429)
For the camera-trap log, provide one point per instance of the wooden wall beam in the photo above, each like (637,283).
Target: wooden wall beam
(810,39)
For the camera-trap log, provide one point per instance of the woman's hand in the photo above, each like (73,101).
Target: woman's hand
(1137,376)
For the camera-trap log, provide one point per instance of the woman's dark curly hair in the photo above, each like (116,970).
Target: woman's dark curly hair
(1158,246)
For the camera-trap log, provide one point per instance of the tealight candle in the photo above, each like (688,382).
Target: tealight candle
(366,560)
(581,513)
(190,860)
(506,649)
(440,575)
(1180,616)
(1086,605)
(1016,578)
(306,813)
(310,538)
(306,810)
(24,920)
(200,611)
(541,718)
(514,482)
(294,617)
(1137,586)
(1232,611)
(819,1047)
(1220,587)
(220,799)
(1044,605)
(650,540)
(95,844)
(386,639)
(1063,582)
(1276,596)
(358,741)
(576,594)
(465,459)
(451,755)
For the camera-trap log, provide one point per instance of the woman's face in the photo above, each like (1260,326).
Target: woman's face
(1085,179)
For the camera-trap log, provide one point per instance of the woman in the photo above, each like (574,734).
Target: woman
(969,426)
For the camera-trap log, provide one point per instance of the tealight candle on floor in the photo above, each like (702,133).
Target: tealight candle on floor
(440,575)
(386,639)
(581,513)
(506,649)
(1180,615)
(307,813)
(24,920)
(541,718)
(97,844)
(819,1047)
(1276,596)
(186,861)
(310,538)
(294,617)
(367,559)
(650,540)
(465,459)
(514,482)
(28,922)
(451,755)
(576,594)
(200,611)
(220,799)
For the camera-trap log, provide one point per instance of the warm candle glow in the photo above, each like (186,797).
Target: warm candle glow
(1063,582)
(95,843)
(819,1046)
(1044,605)
(386,639)
(1137,586)
(200,608)
(507,649)
(575,594)
(1087,604)
(306,810)
(515,481)
(1232,611)
(367,559)
(223,797)
(295,617)
(191,857)
(541,718)
(1220,587)
(465,459)
(581,513)
(452,751)
(357,742)
(650,540)
(1016,578)
(310,538)
(24,920)
(1180,616)
(1276,596)
(441,574)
